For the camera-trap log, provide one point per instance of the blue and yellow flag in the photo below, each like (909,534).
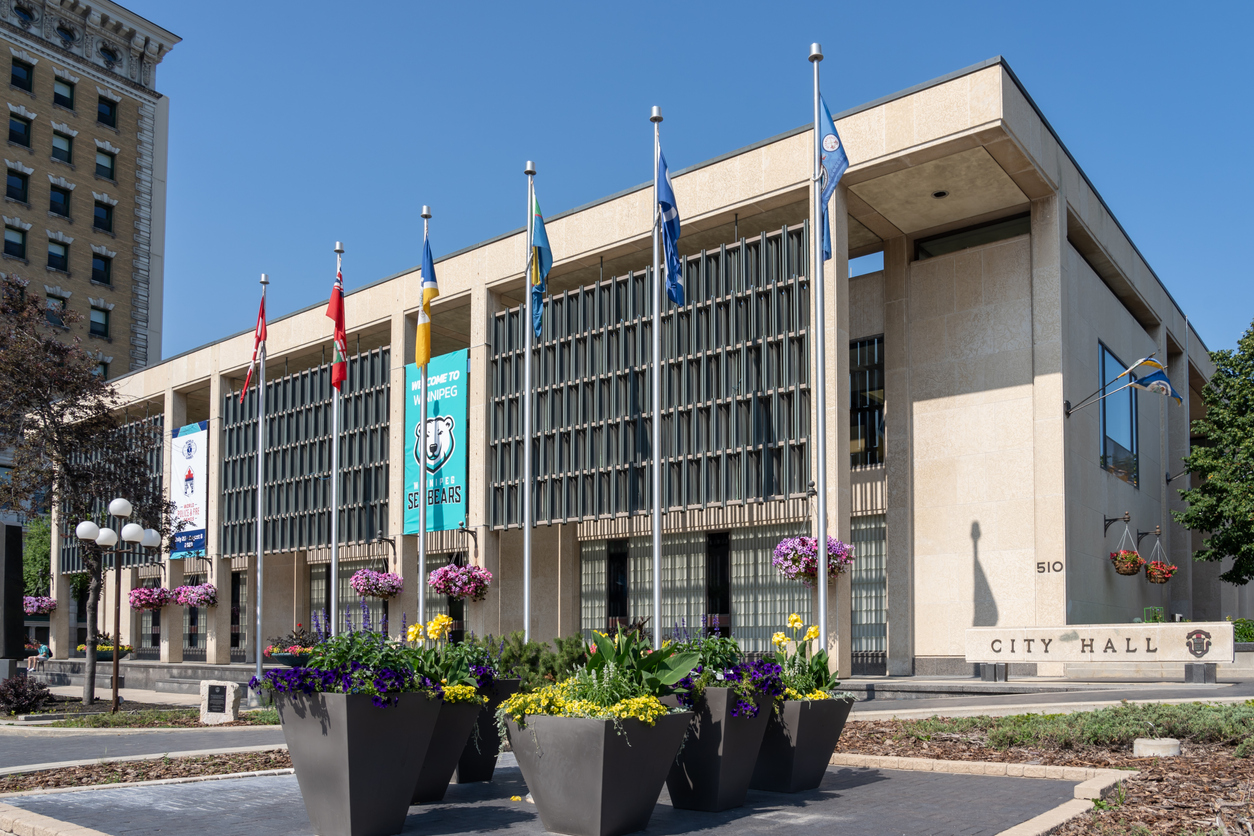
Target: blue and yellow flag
(1158,382)
(540,262)
(1148,362)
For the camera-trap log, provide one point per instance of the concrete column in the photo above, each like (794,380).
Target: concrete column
(300,592)
(130,617)
(1049,525)
(61,624)
(403,328)
(172,616)
(217,619)
(568,580)
(1175,537)
(483,617)
(899,460)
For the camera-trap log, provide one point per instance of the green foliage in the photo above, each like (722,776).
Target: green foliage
(807,671)
(604,687)
(713,652)
(372,650)
(37,556)
(159,718)
(1113,801)
(536,664)
(1222,504)
(1243,629)
(653,671)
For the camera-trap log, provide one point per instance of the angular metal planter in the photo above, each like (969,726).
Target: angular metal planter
(356,764)
(798,744)
(713,769)
(478,760)
(584,777)
(455,724)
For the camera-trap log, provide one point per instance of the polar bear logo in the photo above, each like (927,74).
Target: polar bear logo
(441,440)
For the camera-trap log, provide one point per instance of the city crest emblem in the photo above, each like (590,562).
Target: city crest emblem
(1198,643)
(441,442)
(189,449)
(830,143)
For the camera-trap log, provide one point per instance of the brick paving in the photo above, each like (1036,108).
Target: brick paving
(868,802)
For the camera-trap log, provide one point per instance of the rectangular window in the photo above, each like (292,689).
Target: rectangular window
(59,201)
(56,308)
(103,217)
(62,148)
(18,186)
(14,242)
(1119,435)
(866,402)
(99,322)
(101,269)
(19,131)
(617,574)
(58,256)
(718,583)
(972,236)
(104,164)
(22,75)
(107,112)
(63,94)
(102,369)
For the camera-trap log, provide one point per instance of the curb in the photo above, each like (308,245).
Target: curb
(43,767)
(188,779)
(15,821)
(1020,708)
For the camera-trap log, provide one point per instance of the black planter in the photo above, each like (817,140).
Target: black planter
(478,760)
(798,744)
(584,777)
(454,725)
(712,771)
(356,764)
(292,660)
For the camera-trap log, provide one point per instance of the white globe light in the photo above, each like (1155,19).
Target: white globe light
(107,537)
(86,530)
(152,538)
(132,532)
(120,508)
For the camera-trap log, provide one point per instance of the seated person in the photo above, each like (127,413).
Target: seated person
(33,663)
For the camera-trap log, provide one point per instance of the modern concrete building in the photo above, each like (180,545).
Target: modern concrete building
(84,212)
(1007,290)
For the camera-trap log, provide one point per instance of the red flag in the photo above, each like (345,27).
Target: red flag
(335,310)
(259,344)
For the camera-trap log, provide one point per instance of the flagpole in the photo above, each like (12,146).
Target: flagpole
(334,580)
(820,347)
(261,475)
(422,447)
(656,118)
(527,335)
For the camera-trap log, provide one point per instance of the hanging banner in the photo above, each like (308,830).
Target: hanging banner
(189,487)
(441,467)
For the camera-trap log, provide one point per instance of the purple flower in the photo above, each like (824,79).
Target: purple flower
(369,583)
(796,558)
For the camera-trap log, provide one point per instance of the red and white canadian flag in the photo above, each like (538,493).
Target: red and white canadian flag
(259,346)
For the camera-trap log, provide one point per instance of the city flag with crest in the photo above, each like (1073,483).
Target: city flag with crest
(541,262)
(835,161)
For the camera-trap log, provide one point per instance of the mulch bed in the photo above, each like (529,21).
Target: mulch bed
(154,770)
(1182,795)
(74,705)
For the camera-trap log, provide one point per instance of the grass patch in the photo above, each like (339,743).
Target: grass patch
(174,718)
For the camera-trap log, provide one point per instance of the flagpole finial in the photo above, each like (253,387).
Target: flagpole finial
(339,247)
(530,170)
(426,211)
(265,280)
(816,52)
(656,115)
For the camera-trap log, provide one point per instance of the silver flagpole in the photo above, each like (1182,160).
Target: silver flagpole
(422,445)
(656,117)
(334,580)
(527,335)
(261,475)
(820,347)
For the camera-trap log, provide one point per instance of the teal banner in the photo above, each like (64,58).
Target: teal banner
(437,472)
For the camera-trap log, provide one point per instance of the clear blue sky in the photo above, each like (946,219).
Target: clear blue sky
(296,124)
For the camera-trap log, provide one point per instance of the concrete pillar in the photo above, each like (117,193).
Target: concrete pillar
(130,617)
(568,580)
(482,617)
(172,616)
(248,615)
(217,619)
(300,592)
(899,460)
(61,624)
(1175,537)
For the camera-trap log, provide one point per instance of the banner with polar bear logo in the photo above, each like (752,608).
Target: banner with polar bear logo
(437,472)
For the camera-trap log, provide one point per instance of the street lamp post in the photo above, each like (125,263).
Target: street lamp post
(107,538)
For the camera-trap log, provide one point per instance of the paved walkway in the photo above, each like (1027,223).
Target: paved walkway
(868,802)
(36,745)
(130,695)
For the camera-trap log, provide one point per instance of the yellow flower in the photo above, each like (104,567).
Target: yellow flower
(778,639)
(515,798)
(439,627)
(415,633)
(811,634)
(795,622)
(462,693)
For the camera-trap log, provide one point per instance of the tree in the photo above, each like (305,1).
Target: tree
(37,556)
(68,437)
(1222,504)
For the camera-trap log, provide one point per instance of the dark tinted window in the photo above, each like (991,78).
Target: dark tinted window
(58,256)
(19,131)
(63,93)
(21,75)
(617,582)
(107,112)
(14,242)
(59,201)
(104,164)
(101,269)
(17,187)
(972,236)
(866,402)
(1119,436)
(103,217)
(718,583)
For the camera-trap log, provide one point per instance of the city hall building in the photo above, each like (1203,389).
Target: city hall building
(971,495)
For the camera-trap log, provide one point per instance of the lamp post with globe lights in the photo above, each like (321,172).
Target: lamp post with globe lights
(107,538)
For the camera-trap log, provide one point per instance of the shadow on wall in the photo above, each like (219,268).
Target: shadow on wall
(984,612)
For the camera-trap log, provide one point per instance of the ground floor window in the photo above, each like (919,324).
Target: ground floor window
(195,625)
(149,645)
(356,612)
(869,615)
(239,618)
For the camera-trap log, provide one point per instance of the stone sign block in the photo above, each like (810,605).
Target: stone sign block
(219,702)
(1178,641)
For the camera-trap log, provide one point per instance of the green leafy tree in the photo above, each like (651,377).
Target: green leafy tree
(1222,504)
(37,556)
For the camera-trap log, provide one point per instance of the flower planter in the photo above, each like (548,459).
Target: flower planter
(798,744)
(356,763)
(1127,569)
(713,769)
(478,760)
(455,725)
(292,660)
(584,776)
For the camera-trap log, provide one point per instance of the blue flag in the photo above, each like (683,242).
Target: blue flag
(670,232)
(835,161)
(541,260)
(1158,382)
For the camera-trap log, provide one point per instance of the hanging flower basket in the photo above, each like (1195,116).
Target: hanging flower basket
(1127,562)
(797,558)
(38,604)
(465,583)
(150,598)
(1159,571)
(371,584)
(197,595)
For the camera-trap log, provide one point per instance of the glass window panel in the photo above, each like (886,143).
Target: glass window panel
(1118,420)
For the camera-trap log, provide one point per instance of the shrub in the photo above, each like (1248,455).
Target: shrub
(535,663)
(23,695)
(1243,628)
